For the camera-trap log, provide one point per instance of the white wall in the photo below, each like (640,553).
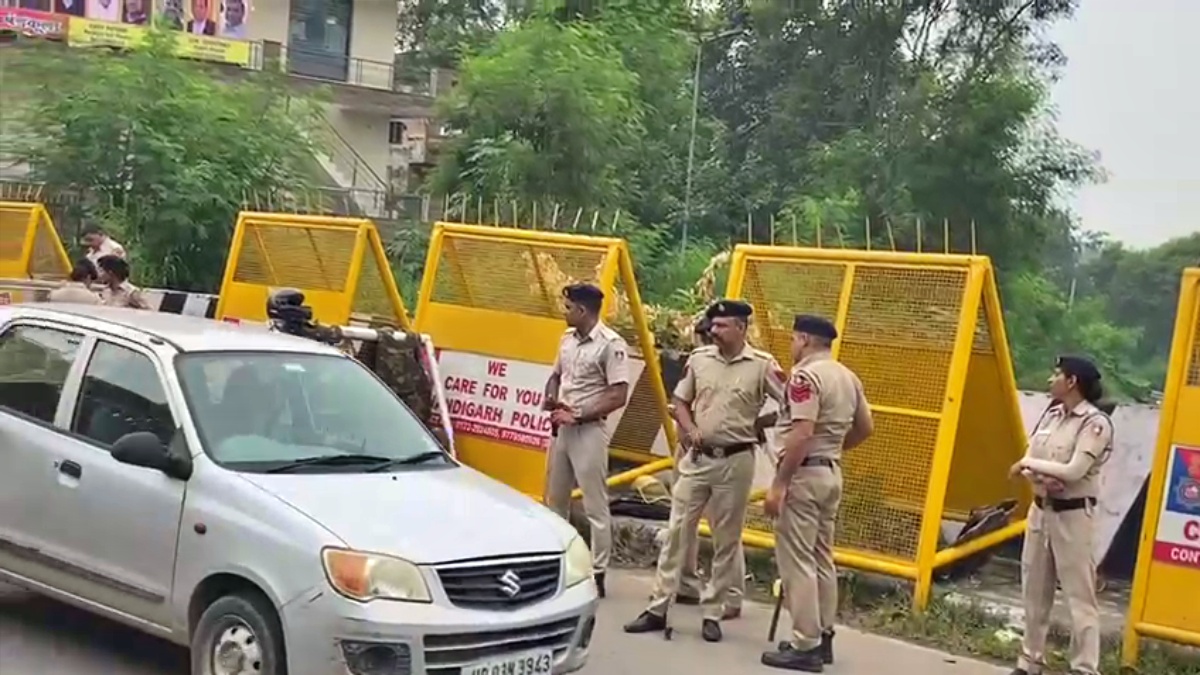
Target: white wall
(372,36)
(367,133)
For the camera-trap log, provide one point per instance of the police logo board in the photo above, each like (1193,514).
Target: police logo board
(1177,541)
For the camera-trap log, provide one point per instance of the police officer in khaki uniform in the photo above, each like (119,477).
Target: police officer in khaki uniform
(590,381)
(716,405)
(77,289)
(691,587)
(828,413)
(1066,452)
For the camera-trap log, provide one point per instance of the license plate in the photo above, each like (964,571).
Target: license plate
(529,663)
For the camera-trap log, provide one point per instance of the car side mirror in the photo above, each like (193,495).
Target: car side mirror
(144,449)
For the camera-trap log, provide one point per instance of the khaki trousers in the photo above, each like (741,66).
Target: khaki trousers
(804,536)
(723,485)
(579,456)
(691,584)
(1058,548)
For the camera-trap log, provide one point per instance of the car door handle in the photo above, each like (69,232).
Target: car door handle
(69,468)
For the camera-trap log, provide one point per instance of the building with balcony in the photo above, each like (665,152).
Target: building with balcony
(345,47)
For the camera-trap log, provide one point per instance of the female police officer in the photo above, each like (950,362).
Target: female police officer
(1069,445)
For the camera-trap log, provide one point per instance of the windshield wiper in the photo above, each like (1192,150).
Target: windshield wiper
(418,458)
(330,460)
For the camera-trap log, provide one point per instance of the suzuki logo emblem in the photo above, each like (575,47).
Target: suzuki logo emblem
(510,583)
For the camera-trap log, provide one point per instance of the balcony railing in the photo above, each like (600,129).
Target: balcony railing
(332,67)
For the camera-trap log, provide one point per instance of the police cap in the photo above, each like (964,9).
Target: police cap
(734,309)
(1079,367)
(815,325)
(584,294)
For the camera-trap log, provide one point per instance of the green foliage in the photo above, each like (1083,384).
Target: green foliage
(164,148)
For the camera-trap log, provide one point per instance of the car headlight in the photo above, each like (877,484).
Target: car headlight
(370,576)
(578,561)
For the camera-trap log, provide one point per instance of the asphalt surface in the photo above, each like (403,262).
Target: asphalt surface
(39,637)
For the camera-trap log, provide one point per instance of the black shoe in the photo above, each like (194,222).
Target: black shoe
(827,647)
(600,589)
(711,630)
(788,658)
(690,600)
(648,622)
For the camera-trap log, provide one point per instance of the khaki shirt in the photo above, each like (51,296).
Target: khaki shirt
(589,364)
(1062,433)
(107,247)
(75,293)
(726,396)
(126,295)
(828,394)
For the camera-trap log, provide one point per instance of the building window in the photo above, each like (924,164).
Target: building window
(396,131)
(319,44)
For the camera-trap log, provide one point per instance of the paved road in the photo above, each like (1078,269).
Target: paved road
(38,637)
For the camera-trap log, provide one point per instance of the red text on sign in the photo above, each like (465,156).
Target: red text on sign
(1191,530)
(529,397)
(1174,554)
(461,385)
(498,368)
(496,392)
(530,421)
(475,411)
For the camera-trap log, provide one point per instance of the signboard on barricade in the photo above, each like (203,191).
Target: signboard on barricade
(1166,583)
(501,399)
(491,301)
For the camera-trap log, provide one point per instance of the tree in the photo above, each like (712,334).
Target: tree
(165,149)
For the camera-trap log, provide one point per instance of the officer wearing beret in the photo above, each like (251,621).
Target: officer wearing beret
(589,382)
(828,413)
(1068,447)
(717,405)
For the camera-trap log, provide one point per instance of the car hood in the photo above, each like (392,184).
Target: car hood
(424,516)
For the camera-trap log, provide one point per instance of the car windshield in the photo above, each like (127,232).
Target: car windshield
(274,411)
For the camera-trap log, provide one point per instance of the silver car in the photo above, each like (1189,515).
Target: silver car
(268,502)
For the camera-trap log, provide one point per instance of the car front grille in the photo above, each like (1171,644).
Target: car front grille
(449,654)
(501,584)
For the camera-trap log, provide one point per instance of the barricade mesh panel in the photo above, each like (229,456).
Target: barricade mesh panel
(1193,368)
(14,223)
(371,297)
(511,276)
(46,262)
(295,256)
(898,337)
(983,449)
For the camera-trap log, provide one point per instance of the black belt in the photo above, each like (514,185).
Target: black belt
(1055,504)
(819,461)
(725,451)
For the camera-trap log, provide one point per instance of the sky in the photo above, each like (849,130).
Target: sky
(1129,93)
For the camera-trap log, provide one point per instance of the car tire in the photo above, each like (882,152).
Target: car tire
(239,633)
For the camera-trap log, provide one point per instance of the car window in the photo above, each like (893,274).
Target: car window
(34,363)
(257,409)
(122,393)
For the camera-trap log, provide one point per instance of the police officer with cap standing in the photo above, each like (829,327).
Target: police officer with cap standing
(589,382)
(828,414)
(717,405)
(1069,446)
(691,588)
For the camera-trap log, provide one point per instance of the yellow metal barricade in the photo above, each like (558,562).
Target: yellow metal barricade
(1165,604)
(491,301)
(925,334)
(338,263)
(30,248)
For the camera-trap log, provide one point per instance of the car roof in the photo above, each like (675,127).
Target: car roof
(185,333)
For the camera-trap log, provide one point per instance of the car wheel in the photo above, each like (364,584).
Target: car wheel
(238,634)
